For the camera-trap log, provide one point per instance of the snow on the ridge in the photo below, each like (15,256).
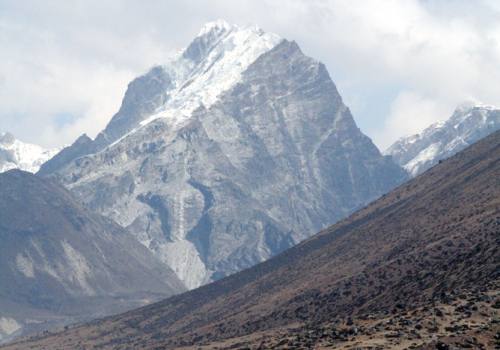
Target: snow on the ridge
(411,139)
(456,143)
(468,123)
(470,105)
(15,154)
(25,265)
(424,156)
(220,70)
(232,51)
(462,114)
(218,24)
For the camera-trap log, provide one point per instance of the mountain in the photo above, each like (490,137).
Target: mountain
(417,268)
(15,154)
(236,149)
(60,263)
(467,125)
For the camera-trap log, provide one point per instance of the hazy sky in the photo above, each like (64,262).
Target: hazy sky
(399,65)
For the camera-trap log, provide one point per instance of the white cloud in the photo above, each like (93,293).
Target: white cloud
(401,63)
(410,113)
(435,58)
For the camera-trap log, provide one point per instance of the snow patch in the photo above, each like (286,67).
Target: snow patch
(424,156)
(199,84)
(25,265)
(218,24)
(455,144)
(8,326)
(184,259)
(15,154)
(70,270)
(78,267)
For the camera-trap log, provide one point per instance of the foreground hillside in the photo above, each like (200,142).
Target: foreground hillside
(420,262)
(465,320)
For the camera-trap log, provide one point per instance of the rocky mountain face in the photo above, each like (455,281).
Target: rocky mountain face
(60,263)
(417,268)
(15,154)
(467,125)
(233,151)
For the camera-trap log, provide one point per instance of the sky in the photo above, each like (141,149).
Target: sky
(400,65)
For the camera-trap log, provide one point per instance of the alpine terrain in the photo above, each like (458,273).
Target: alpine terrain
(467,125)
(15,154)
(416,269)
(60,263)
(234,150)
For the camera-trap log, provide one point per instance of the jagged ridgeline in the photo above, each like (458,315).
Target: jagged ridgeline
(468,124)
(15,154)
(234,150)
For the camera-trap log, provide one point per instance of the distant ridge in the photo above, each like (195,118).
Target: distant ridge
(468,124)
(15,154)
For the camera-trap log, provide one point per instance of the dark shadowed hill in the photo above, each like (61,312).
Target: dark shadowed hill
(60,263)
(429,243)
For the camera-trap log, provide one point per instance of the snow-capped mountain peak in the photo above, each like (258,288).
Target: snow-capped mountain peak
(219,25)
(478,111)
(468,105)
(15,154)
(468,123)
(233,150)
(209,67)
(211,64)
(213,31)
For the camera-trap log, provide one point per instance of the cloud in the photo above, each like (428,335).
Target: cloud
(399,64)
(410,112)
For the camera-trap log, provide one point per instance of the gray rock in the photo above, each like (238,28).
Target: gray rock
(82,146)
(274,159)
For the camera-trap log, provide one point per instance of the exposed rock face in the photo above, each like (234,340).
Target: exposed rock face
(144,95)
(82,146)
(15,154)
(467,125)
(249,151)
(60,263)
